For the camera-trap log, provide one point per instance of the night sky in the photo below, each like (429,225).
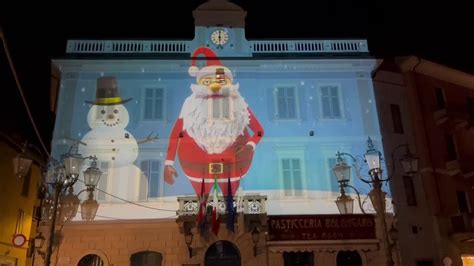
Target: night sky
(441,32)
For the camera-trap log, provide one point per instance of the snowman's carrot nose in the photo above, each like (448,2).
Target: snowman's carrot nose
(111,116)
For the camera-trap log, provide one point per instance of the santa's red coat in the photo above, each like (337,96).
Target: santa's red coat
(195,161)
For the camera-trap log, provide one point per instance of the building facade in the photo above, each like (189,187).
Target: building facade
(261,121)
(430,106)
(19,183)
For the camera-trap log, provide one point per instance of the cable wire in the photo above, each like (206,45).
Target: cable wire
(17,81)
(130,202)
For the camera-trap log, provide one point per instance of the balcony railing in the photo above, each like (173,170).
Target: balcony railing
(126,46)
(310,46)
(452,118)
(463,165)
(248,204)
(256,47)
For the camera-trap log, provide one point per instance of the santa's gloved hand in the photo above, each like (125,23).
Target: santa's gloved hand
(245,151)
(169,173)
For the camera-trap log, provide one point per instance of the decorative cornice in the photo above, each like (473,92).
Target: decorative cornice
(323,245)
(431,69)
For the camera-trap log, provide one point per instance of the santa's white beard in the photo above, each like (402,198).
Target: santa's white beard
(211,134)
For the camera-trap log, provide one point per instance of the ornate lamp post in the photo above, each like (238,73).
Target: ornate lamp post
(373,159)
(62,177)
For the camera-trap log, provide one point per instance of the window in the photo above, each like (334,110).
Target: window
(151,169)
(148,258)
(26,184)
(221,108)
(440,101)
(298,258)
(91,260)
(286,100)
(102,185)
(450,147)
(463,202)
(396,119)
(409,190)
(330,102)
(292,178)
(154,104)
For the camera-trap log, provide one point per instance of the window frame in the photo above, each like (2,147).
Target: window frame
(108,172)
(276,107)
(219,101)
(161,191)
(320,101)
(400,129)
(144,98)
(292,153)
(410,191)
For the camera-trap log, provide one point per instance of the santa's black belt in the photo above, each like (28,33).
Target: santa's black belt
(215,168)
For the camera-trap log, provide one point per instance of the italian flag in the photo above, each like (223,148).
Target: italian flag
(215,204)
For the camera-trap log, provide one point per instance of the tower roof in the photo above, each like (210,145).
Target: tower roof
(219,12)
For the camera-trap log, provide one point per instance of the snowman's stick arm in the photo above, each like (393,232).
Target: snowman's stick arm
(76,141)
(149,138)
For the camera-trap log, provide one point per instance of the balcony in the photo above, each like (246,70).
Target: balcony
(452,118)
(462,227)
(463,166)
(251,213)
(248,204)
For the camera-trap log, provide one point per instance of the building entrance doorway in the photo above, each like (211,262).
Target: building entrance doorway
(222,253)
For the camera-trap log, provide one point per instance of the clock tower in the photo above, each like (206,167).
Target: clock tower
(220,25)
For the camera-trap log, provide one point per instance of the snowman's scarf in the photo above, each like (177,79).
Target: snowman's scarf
(213,135)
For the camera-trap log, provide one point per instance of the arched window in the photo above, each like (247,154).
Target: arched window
(349,258)
(146,258)
(222,253)
(91,260)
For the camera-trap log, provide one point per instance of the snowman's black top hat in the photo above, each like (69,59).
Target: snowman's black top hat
(107,92)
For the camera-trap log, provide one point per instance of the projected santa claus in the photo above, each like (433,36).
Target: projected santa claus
(211,135)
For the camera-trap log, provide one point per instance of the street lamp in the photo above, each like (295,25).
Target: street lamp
(35,245)
(373,158)
(62,177)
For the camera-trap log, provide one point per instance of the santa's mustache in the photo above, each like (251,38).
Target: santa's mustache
(204,91)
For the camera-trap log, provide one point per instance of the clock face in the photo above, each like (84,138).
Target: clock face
(220,37)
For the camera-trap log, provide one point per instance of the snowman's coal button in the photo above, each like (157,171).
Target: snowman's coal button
(112,140)
(113,149)
(113,158)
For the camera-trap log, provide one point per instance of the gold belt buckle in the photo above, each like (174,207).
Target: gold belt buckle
(216,168)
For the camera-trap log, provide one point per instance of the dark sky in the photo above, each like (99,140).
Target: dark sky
(437,31)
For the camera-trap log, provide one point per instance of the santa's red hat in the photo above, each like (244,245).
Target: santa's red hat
(212,63)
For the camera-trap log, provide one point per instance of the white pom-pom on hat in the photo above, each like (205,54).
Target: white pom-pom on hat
(193,71)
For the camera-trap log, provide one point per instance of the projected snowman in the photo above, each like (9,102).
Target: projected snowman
(112,143)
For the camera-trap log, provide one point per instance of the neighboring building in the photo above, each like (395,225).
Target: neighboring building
(431,107)
(307,99)
(18,195)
